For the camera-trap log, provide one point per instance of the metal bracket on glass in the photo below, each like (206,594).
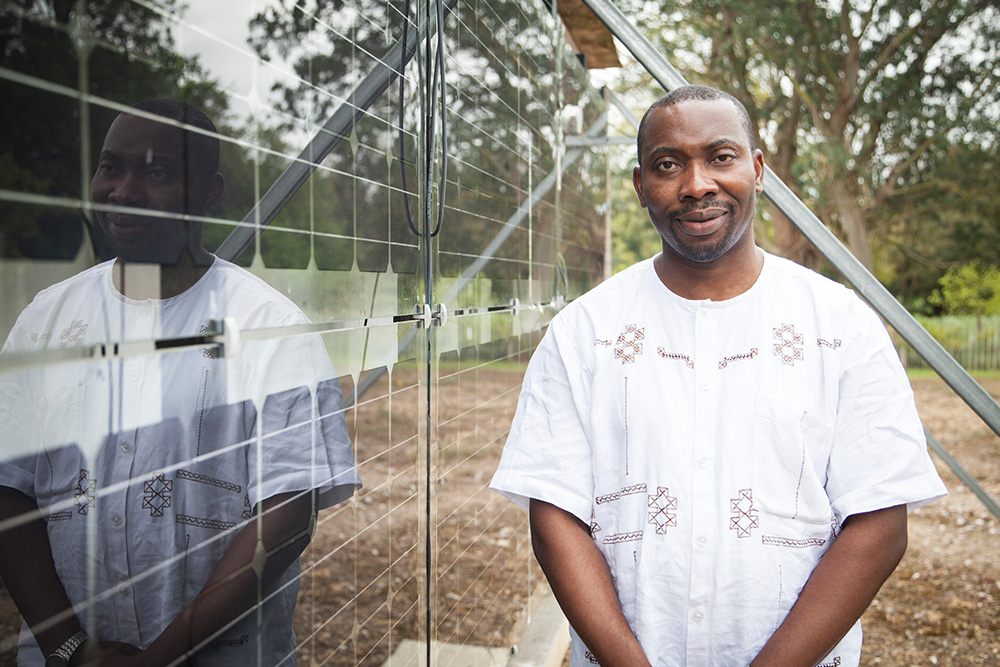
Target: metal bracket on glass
(228,336)
(515,306)
(423,315)
(441,314)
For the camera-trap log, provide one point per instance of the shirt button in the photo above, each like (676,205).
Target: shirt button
(116,520)
(126,446)
(701,541)
(706,385)
(698,617)
(123,591)
(703,462)
(704,314)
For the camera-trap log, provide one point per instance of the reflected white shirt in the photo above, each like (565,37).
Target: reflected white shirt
(715,448)
(147,467)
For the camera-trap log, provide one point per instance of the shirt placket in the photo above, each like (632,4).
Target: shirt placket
(703,492)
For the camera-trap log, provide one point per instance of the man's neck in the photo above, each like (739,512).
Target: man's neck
(141,281)
(723,279)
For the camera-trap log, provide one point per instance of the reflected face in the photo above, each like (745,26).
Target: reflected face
(142,166)
(699,179)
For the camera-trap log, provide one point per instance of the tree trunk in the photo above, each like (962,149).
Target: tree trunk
(853,219)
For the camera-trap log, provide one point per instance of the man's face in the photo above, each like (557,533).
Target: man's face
(142,166)
(699,179)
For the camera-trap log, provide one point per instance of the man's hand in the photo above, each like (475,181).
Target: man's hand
(106,654)
(582,584)
(839,589)
(267,546)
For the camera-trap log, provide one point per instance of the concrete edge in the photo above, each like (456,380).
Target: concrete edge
(545,638)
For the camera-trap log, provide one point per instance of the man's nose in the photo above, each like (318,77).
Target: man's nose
(697,182)
(127,190)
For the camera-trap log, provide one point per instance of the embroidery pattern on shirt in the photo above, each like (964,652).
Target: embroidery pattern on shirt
(72,336)
(788,347)
(594,526)
(744,517)
(205,479)
(156,495)
(802,465)
(775,541)
(820,342)
(201,410)
(738,357)
(680,357)
(833,663)
(228,643)
(35,337)
(625,419)
(208,352)
(627,491)
(591,658)
(629,344)
(617,538)
(602,341)
(84,492)
(65,515)
(662,508)
(205,523)
(247,509)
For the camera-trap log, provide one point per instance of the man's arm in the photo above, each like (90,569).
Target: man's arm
(29,572)
(582,584)
(839,589)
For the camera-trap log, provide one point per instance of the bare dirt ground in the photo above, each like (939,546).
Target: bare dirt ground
(363,586)
(942,605)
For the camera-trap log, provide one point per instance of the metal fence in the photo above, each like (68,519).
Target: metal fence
(973,341)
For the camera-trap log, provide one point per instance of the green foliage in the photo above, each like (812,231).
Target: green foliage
(882,115)
(969,289)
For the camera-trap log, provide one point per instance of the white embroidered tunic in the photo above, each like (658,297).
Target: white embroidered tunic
(715,448)
(147,467)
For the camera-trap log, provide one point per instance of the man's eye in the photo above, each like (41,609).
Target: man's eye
(666,166)
(158,174)
(725,158)
(106,169)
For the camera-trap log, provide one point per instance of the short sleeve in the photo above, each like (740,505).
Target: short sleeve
(879,456)
(303,443)
(548,455)
(20,439)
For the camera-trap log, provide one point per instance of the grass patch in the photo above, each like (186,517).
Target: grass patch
(922,373)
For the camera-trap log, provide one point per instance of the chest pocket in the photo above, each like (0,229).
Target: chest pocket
(791,448)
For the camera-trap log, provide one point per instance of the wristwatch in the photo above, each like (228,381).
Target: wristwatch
(62,654)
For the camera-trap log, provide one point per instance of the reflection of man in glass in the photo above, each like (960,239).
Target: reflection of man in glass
(155,505)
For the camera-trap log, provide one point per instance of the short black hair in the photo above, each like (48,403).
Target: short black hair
(201,148)
(690,94)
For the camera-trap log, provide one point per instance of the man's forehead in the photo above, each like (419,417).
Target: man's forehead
(134,135)
(705,124)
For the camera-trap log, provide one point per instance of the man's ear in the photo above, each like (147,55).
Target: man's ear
(637,184)
(213,193)
(758,170)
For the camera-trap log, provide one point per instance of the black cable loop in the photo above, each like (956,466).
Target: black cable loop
(402,133)
(437,78)
(440,72)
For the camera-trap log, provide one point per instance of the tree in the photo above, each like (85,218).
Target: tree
(852,100)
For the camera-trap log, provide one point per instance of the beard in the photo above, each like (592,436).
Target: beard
(707,251)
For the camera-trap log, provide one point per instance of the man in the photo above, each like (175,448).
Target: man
(156,505)
(717,446)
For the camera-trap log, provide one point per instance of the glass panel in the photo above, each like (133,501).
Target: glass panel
(208,311)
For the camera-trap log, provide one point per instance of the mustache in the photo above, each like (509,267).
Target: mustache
(714,202)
